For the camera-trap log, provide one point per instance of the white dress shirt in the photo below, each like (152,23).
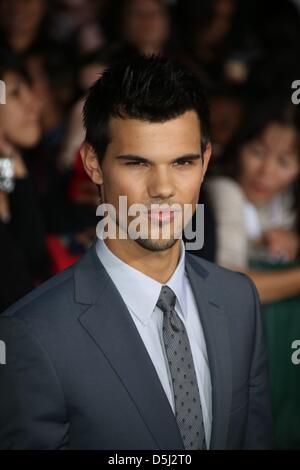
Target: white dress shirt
(140,294)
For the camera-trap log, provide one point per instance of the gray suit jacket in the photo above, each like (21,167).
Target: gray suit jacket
(78,376)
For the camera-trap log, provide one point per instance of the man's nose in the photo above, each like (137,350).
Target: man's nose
(160,184)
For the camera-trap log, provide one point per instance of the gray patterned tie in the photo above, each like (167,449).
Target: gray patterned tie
(188,408)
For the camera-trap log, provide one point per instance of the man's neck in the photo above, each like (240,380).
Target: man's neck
(159,265)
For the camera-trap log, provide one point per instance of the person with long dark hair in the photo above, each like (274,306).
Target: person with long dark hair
(22,249)
(256,199)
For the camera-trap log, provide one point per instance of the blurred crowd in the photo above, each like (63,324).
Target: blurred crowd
(247,54)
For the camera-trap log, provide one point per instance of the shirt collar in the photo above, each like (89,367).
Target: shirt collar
(139,291)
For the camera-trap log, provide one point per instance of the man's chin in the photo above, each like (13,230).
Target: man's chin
(156,245)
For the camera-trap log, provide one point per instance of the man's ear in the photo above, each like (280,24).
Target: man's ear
(90,163)
(206,158)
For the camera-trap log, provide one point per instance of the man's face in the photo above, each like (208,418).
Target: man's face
(154,163)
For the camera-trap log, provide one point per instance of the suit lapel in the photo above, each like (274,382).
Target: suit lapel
(110,325)
(215,328)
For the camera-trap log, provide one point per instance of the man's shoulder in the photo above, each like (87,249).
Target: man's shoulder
(223,281)
(58,295)
(49,296)
(208,268)
(230,293)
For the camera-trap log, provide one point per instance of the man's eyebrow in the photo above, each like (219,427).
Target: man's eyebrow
(137,158)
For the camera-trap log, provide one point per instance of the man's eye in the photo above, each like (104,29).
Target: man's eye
(184,162)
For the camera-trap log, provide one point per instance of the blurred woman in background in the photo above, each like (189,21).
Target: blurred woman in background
(257,199)
(205,27)
(22,249)
(142,26)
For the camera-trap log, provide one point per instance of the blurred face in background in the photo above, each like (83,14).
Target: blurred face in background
(81,10)
(20,20)
(225,116)
(20,116)
(216,28)
(270,163)
(146,25)
(221,23)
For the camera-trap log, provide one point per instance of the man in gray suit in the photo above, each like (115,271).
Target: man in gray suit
(139,345)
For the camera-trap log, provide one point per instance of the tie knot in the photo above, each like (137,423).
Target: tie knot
(166,300)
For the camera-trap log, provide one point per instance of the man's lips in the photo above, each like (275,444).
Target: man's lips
(161,214)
